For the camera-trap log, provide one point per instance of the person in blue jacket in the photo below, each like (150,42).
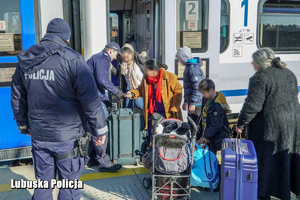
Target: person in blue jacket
(100,64)
(50,95)
(192,76)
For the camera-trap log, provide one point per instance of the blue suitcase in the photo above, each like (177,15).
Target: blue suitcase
(239,171)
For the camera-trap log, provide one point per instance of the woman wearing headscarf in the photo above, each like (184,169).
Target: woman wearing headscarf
(272,114)
(132,69)
(161,92)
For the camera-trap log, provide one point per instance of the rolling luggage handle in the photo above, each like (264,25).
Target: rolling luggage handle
(133,128)
(239,163)
(133,125)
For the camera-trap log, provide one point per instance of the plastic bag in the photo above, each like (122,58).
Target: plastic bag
(205,172)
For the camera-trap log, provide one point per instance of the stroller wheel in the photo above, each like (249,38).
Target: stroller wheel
(146,183)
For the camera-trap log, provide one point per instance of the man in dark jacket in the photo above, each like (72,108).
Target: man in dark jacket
(214,125)
(50,95)
(100,65)
(192,76)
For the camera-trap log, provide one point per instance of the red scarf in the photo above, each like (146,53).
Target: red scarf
(152,81)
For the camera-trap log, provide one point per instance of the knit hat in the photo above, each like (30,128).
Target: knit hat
(60,28)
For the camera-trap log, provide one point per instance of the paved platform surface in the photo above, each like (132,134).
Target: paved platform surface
(124,184)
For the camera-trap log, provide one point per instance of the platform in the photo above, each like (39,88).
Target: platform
(124,184)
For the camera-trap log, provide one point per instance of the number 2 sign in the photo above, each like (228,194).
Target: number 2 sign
(191,10)
(2,26)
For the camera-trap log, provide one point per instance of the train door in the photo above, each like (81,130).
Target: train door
(71,12)
(17,33)
(193,23)
(116,35)
(148,32)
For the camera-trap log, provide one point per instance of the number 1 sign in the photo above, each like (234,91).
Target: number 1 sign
(191,10)
(245,4)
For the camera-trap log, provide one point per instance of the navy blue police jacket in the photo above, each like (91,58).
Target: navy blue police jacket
(100,66)
(192,76)
(53,91)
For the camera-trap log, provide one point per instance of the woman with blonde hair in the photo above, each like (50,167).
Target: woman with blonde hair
(272,114)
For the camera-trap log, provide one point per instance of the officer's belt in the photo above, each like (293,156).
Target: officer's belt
(81,149)
(72,153)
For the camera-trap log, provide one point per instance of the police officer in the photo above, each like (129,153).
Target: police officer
(100,65)
(50,95)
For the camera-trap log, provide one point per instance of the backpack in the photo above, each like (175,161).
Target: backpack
(205,172)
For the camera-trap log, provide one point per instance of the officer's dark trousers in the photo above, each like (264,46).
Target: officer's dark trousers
(102,157)
(46,168)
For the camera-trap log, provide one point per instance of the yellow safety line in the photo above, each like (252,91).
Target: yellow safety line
(5,188)
(141,170)
(95,176)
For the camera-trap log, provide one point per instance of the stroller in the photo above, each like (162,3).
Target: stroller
(170,159)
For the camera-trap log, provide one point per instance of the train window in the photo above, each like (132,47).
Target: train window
(10,28)
(279,26)
(192,25)
(224,28)
(114,27)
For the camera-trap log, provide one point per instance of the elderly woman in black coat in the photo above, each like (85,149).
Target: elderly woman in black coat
(272,114)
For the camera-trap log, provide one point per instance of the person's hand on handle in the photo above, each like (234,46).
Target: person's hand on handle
(203,140)
(129,95)
(184,106)
(120,94)
(192,109)
(100,140)
(238,131)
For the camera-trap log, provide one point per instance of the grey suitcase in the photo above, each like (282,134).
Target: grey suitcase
(127,138)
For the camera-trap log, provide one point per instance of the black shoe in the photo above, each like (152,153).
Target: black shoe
(92,162)
(111,168)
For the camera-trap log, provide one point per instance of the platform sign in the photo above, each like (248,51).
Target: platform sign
(6,42)
(249,38)
(6,74)
(191,10)
(237,51)
(192,39)
(179,68)
(238,38)
(192,25)
(2,26)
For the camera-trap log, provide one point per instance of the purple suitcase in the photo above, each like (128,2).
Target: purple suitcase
(238,170)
